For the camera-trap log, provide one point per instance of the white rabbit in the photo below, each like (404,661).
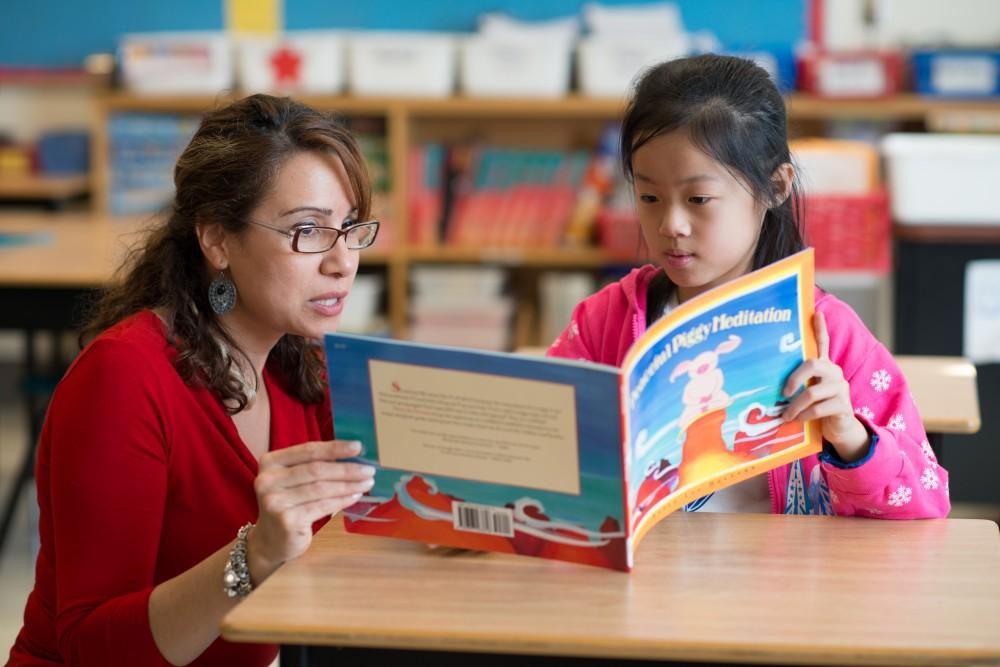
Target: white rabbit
(704,386)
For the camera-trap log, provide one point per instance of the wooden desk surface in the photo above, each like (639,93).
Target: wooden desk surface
(718,587)
(945,391)
(72,250)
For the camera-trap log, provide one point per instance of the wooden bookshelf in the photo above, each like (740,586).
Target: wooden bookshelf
(51,188)
(900,107)
(543,122)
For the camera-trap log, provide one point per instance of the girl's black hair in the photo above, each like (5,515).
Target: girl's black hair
(733,112)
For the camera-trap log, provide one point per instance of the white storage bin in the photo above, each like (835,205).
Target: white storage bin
(515,66)
(168,63)
(296,62)
(655,18)
(941,179)
(401,63)
(361,308)
(608,65)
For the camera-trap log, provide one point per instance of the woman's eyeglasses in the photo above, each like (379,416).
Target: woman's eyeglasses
(357,236)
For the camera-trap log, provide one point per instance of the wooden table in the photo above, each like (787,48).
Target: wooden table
(715,587)
(72,250)
(44,284)
(945,391)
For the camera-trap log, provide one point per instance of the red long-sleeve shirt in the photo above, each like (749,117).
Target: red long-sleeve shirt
(140,477)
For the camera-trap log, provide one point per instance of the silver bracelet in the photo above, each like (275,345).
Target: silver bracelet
(236,576)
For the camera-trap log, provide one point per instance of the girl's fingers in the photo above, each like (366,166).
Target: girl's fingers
(816,393)
(828,408)
(822,335)
(807,371)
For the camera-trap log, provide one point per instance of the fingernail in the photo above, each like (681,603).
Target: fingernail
(355,447)
(368,470)
(356,497)
(368,483)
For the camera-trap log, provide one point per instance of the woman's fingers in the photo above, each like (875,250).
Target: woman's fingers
(285,499)
(306,473)
(309,513)
(320,450)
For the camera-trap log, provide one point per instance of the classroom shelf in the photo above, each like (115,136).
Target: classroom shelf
(52,188)
(543,122)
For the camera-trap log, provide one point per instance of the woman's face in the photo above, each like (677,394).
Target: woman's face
(280,291)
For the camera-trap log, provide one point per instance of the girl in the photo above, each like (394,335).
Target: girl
(200,406)
(704,145)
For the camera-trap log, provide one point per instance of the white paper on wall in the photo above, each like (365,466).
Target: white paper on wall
(982,311)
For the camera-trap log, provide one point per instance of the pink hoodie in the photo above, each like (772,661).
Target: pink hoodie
(899,478)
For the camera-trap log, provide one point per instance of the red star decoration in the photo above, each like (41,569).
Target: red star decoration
(285,62)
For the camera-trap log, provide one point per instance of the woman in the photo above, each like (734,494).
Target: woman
(200,406)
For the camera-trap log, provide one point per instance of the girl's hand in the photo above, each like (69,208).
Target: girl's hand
(295,487)
(827,397)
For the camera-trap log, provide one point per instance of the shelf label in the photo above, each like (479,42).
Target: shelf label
(982,312)
(965,74)
(858,77)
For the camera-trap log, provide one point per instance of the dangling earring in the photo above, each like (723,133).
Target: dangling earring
(222,294)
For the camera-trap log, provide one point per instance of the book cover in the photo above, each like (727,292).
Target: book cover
(573,460)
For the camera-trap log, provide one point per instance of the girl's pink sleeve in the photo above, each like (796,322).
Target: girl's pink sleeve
(571,343)
(900,477)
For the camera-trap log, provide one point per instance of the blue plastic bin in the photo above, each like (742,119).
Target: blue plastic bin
(954,73)
(64,152)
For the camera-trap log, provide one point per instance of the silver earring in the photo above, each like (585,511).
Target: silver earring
(222,294)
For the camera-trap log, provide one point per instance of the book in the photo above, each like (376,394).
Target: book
(573,460)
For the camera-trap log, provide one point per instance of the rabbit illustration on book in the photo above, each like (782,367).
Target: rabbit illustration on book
(703,391)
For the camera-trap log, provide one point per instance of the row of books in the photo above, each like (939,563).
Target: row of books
(472,306)
(465,306)
(482,195)
(144,147)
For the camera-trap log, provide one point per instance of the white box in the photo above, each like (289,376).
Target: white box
(361,307)
(296,62)
(941,179)
(402,63)
(515,66)
(609,65)
(933,23)
(656,18)
(168,63)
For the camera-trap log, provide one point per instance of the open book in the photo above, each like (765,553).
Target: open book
(573,460)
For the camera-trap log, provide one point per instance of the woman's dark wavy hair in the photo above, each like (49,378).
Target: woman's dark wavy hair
(223,174)
(733,112)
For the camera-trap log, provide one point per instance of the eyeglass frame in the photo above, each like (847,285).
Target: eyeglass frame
(293,234)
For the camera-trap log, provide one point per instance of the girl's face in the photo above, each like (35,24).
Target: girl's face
(699,221)
(281,291)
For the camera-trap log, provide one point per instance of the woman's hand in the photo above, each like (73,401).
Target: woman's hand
(295,487)
(827,397)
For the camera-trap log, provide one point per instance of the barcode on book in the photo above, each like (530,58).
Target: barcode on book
(483,519)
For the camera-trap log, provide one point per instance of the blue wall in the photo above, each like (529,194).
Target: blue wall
(61,33)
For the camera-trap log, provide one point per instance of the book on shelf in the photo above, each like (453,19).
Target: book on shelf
(572,460)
